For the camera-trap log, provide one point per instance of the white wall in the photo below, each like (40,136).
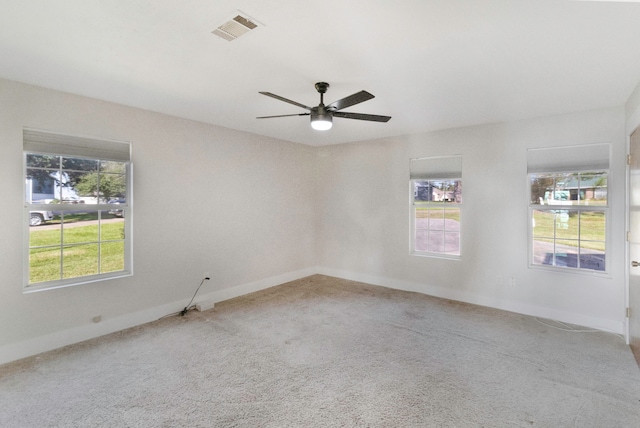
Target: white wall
(632,108)
(206,199)
(255,212)
(365,218)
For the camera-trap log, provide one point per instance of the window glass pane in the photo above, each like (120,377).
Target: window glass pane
(79,227)
(421,240)
(557,193)
(543,249)
(422,190)
(593,226)
(543,224)
(113,188)
(452,243)
(80,177)
(113,167)
(440,191)
(436,218)
(566,253)
(111,256)
(113,181)
(588,188)
(421,218)
(79,260)
(77,164)
(592,259)
(44,234)
(115,210)
(86,186)
(452,219)
(112,226)
(540,184)
(592,189)
(44,247)
(435,244)
(40,185)
(43,161)
(449,191)
(567,224)
(44,264)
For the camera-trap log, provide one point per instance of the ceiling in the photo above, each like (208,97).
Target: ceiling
(432,64)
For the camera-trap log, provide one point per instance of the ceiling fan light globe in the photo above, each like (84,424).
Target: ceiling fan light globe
(321,123)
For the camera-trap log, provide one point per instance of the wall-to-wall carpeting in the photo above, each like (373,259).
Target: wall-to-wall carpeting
(326,352)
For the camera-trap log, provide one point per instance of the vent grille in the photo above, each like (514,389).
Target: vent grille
(235,28)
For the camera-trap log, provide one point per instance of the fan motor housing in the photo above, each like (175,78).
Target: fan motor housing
(321,113)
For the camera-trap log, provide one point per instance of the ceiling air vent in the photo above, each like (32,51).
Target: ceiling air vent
(235,28)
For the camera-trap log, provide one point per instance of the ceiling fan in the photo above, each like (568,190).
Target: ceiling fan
(322,116)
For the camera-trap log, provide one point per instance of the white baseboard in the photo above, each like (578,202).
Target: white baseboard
(59,339)
(241,290)
(608,325)
(28,348)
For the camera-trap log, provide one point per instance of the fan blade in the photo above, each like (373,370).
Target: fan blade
(283,115)
(351,100)
(361,116)
(278,97)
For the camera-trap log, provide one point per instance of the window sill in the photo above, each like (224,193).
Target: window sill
(436,256)
(52,285)
(571,271)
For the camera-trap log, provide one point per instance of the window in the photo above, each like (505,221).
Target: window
(436,200)
(568,209)
(77,210)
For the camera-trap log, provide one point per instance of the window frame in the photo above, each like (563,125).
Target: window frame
(549,207)
(429,205)
(48,148)
(434,168)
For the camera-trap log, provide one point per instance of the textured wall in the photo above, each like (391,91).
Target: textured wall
(206,199)
(365,219)
(252,211)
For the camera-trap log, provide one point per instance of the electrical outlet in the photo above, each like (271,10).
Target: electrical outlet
(206,275)
(205,305)
(512,281)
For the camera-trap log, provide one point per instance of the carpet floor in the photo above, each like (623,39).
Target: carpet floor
(326,352)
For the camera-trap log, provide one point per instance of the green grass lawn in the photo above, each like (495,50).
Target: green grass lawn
(588,229)
(449,213)
(79,250)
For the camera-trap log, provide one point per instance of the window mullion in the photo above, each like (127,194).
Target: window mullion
(579,237)
(555,229)
(62,246)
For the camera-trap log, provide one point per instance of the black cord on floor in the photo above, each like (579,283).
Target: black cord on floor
(188,307)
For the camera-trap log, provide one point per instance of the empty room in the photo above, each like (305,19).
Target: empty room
(288,214)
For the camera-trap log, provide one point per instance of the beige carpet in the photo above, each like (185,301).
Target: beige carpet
(323,352)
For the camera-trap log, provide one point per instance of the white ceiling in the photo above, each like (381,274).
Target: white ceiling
(431,64)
